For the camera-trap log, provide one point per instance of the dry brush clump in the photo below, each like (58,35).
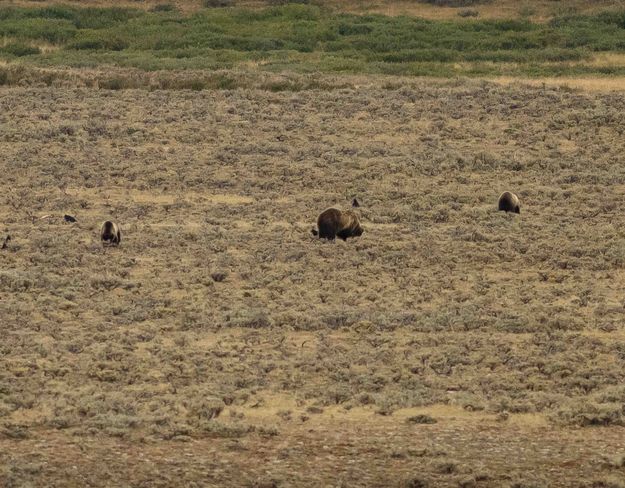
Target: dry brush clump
(120,78)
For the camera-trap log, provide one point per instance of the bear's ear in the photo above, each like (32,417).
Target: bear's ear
(355,203)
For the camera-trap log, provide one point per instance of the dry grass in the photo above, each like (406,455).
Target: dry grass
(318,452)
(221,322)
(536,10)
(590,84)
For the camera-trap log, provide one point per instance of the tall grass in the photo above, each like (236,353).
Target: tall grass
(306,38)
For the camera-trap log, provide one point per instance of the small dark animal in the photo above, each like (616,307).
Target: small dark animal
(219,276)
(69,218)
(509,202)
(334,223)
(110,233)
(5,244)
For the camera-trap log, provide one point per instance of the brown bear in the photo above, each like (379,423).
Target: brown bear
(110,233)
(334,223)
(509,202)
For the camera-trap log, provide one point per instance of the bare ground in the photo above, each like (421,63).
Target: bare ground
(222,344)
(339,449)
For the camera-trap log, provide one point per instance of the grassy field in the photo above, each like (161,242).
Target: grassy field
(221,329)
(222,344)
(537,10)
(311,38)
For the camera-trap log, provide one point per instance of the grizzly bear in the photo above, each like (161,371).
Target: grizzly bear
(509,202)
(334,223)
(110,233)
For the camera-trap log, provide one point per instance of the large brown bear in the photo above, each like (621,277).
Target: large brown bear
(509,202)
(110,233)
(334,223)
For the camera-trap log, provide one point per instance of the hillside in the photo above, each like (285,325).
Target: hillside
(313,39)
(222,344)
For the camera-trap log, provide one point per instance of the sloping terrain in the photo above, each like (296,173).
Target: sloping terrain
(221,331)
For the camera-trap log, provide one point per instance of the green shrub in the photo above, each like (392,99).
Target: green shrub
(286,2)
(455,3)
(55,31)
(163,7)
(81,18)
(218,3)
(18,49)
(99,42)
(281,37)
(468,13)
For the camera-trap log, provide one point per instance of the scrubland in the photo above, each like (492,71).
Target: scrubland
(221,323)
(221,344)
